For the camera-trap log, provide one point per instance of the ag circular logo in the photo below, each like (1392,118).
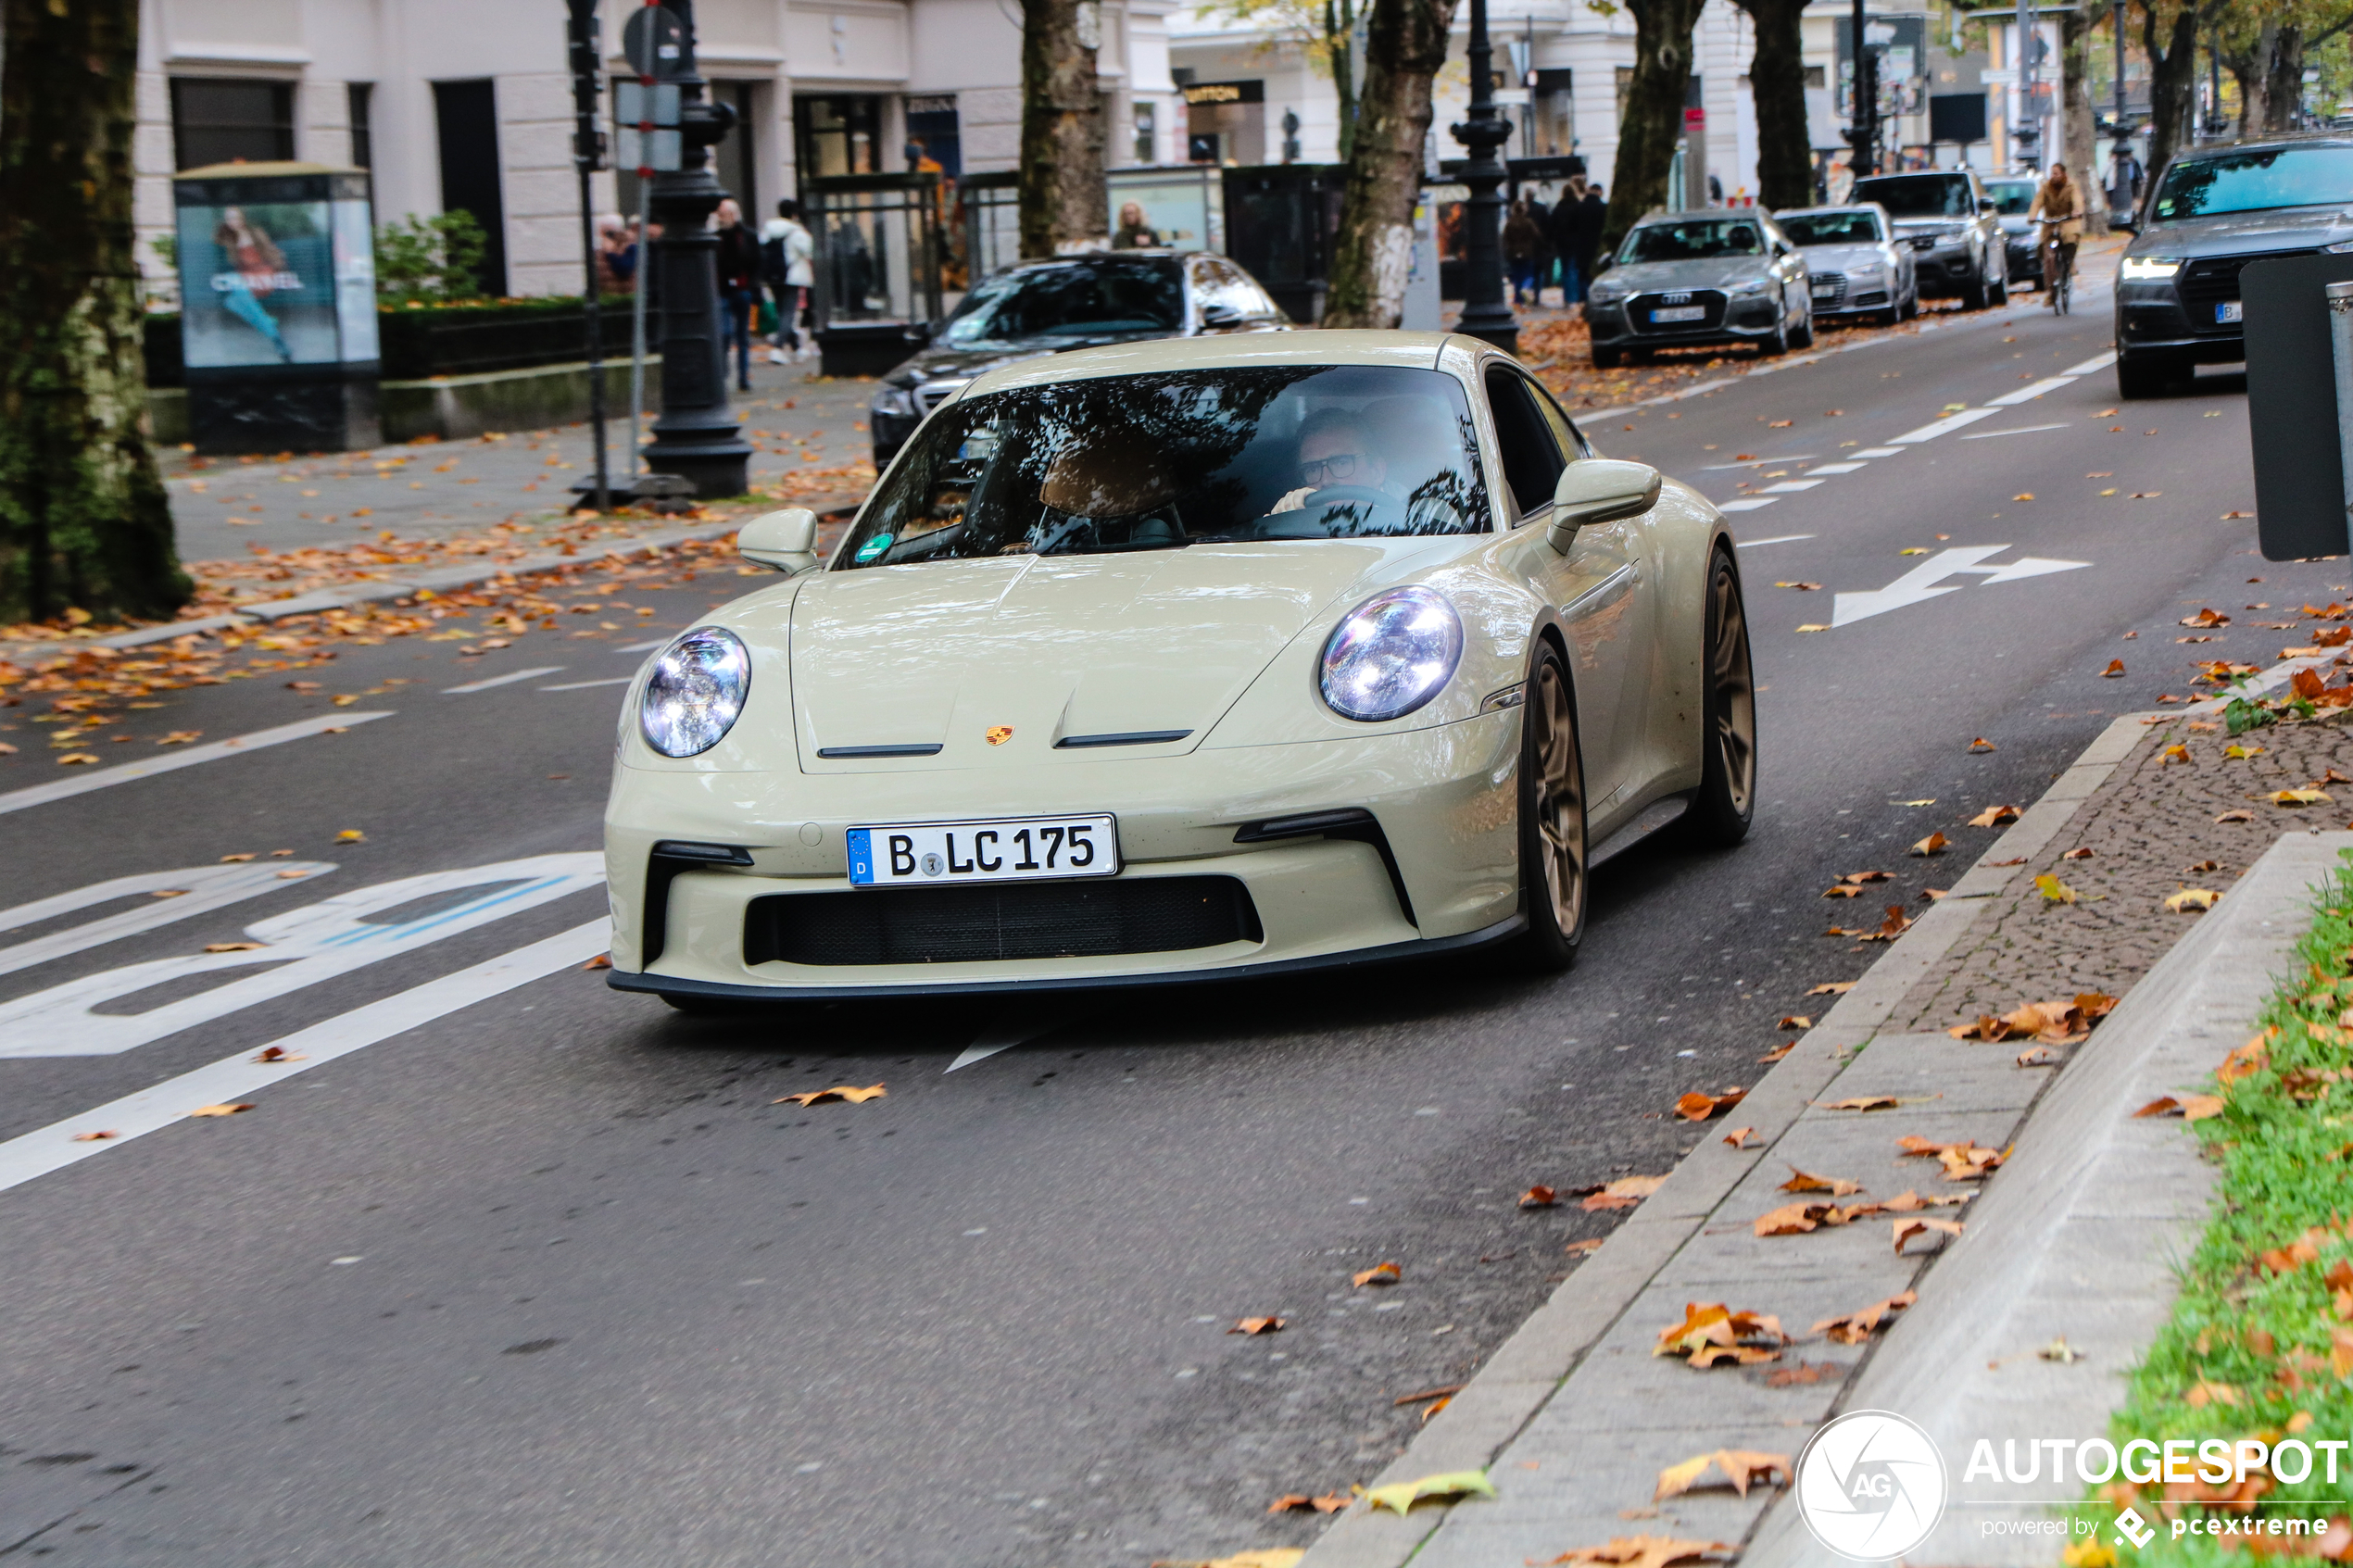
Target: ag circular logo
(1870,1485)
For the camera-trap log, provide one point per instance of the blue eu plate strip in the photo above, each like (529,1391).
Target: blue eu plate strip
(861,857)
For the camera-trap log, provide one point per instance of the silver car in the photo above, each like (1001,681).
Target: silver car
(1956,241)
(1859,264)
(1687,278)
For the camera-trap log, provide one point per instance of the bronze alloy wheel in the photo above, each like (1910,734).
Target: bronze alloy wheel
(1728,783)
(1552,817)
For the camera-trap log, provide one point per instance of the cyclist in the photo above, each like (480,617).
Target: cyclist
(2058,205)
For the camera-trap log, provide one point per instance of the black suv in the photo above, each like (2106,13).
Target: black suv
(1040,307)
(1956,239)
(2210,213)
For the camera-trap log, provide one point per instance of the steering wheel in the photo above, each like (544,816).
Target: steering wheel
(1348,495)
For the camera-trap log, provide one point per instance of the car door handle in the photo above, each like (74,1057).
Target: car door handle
(1604,594)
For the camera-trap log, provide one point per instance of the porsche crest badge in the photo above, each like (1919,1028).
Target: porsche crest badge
(1000,734)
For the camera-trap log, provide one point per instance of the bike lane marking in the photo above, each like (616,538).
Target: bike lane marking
(510,678)
(36,1154)
(82,784)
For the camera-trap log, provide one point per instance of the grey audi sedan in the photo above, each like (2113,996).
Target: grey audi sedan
(1859,264)
(1692,279)
(2214,211)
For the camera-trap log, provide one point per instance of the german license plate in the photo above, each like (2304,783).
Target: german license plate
(1680,313)
(1015,849)
(2230,310)
(1824,291)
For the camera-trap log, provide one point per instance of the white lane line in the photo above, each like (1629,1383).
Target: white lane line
(1880,452)
(53,1148)
(1949,422)
(508,679)
(1004,1034)
(2097,362)
(2021,430)
(2027,393)
(1790,486)
(584,686)
(1746,504)
(1835,468)
(1776,539)
(1760,463)
(646,647)
(200,889)
(82,784)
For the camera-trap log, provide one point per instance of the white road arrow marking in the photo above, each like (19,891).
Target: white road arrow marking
(1926,581)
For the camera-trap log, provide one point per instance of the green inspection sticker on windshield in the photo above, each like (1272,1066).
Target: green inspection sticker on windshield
(875,546)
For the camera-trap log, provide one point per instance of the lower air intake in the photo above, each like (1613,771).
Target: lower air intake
(981,924)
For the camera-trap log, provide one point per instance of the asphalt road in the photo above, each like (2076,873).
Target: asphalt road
(548,1278)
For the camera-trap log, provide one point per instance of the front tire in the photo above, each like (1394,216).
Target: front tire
(1721,813)
(1552,819)
(1803,336)
(1976,294)
(1606,358)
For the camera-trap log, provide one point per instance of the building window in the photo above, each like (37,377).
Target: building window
(363,150)
(934,134)
(1551,119)
(837,134)
(218,120)
(1147,130)
(735,160)
(466,116)
(1225,122)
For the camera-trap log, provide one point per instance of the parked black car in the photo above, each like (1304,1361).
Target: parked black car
(2013,198)
(1956,241)
(1041,308)
(2214,211)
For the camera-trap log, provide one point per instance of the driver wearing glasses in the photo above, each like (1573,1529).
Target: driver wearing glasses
(1336,463)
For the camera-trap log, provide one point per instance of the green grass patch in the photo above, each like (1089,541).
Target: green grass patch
(2260,1342)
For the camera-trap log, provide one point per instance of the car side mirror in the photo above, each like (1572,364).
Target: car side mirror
(785,540)
(1985,204)
(1220,316)
(1600,490)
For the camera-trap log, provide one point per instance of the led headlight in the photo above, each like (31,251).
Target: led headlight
(1607,291)
(1392,654)
(1866,270)
(695,693)
(2149,268)
(899,400)
(1751,288)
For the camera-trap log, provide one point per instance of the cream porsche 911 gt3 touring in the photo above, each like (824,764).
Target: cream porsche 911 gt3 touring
(1183,660)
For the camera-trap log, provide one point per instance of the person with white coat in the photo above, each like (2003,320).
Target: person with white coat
(787,260)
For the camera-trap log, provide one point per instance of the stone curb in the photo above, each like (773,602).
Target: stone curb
(2081,1235)
(1524,1372)
(375,591)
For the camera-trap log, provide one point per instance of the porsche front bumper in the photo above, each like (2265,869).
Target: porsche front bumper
(1430,865)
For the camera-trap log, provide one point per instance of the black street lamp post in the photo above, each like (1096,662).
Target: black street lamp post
(1485,314)
(695,436)
(1864,137)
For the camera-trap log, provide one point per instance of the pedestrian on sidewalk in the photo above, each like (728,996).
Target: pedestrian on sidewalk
(1133,232)
(738,286)
(788,261)
(1592,213)
(2124,179)
(1562,230)
(612,238)
(1522,240)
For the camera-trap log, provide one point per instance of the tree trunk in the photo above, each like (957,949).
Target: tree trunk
(1654,112)
(1777,76)
(2078,132)
(2247,68)
(2172,81)
(83,520)
(1339,33)
(2284,91)
(1064,204)
(1372,254)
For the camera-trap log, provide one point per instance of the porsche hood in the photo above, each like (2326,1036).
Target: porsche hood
(969,664)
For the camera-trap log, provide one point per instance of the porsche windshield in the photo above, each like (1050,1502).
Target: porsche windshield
(1150,462)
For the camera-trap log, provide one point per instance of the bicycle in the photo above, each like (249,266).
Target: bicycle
(2058,279)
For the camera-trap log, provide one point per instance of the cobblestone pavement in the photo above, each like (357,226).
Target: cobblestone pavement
(2150,832)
